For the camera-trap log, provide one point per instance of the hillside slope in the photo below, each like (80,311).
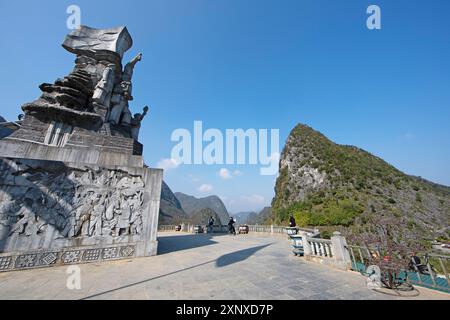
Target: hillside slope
(326,184)
(170,210)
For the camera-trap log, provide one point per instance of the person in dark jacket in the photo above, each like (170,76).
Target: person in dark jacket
(210,224)
(292,223)
(231,228)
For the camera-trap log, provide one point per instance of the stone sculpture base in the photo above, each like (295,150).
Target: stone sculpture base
(59,213)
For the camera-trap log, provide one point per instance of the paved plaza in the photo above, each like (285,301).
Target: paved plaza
(202,267)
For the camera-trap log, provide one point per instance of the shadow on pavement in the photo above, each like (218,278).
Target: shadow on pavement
(238,256)
(223,261)
(184,242)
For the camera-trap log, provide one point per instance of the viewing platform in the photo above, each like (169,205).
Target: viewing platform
(189,266)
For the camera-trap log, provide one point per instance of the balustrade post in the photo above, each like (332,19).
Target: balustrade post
(328,250)
(306,247)
(340,252)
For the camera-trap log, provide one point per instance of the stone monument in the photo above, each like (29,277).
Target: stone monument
(73,184)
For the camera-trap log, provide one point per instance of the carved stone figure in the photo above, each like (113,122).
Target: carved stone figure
(126,117)
(120,113)
(95,222)
(117,110)
(136,123)
(103,90)
(127,90)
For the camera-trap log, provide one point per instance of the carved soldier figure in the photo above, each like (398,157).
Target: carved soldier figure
(136,215)
(7,217)
(127,90)
(120,112)
(111,208)
(82,218)
(103,90)
(123,225)
(95,221)
(23,225)
(136,123)
(126,117)
(117,110)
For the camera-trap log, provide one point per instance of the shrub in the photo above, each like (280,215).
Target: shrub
(418,197)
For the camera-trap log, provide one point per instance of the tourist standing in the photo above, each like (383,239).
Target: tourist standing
(292,222)
(231,228)
(210,224)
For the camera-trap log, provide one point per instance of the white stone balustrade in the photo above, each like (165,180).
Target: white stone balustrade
(331,252)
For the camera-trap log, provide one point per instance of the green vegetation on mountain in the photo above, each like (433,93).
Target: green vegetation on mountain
(325,184)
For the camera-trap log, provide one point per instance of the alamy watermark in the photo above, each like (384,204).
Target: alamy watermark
(374,20)
(74,20)
(235,146)
(74,278)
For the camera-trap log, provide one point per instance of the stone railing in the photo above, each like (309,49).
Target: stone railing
(320,247)
(263,229)
(278,229)
(166,228)
(190,228)
(330,252)
(275,230)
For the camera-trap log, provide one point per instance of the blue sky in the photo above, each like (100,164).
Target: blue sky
(259,64)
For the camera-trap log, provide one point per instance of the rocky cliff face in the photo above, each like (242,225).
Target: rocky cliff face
(263,217)
(326,184)
(170,210)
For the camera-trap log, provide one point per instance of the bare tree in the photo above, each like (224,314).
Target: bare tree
(390,249)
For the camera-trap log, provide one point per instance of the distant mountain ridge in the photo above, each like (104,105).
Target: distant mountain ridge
(252,218)
(191,204)
(243,217)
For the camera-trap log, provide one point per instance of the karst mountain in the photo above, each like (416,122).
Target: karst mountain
(326,184)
